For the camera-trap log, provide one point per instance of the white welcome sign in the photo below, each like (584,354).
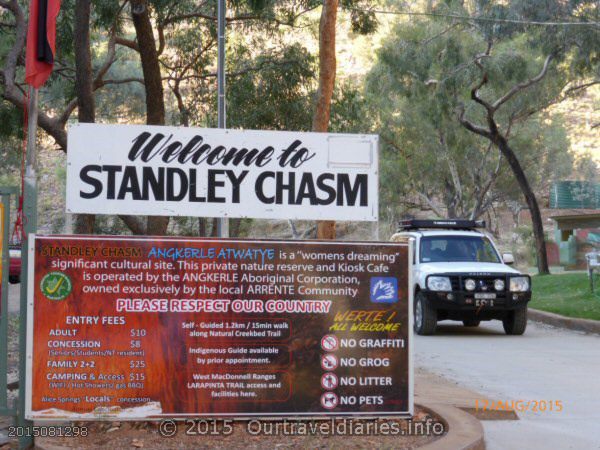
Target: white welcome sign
(177,171)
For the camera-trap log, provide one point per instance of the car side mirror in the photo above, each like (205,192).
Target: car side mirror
(508,258)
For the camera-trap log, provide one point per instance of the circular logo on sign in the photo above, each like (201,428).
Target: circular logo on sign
(56,286)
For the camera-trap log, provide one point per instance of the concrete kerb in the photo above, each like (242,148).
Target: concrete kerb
(464,431)
(570,323)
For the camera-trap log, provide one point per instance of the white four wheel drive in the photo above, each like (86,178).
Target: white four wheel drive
(459,274)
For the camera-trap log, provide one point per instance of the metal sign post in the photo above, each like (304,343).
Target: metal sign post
(5,194)
(222,223)
(30,224)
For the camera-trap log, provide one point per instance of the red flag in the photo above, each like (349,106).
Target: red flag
(41,41)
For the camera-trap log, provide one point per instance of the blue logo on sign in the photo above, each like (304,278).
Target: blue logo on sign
(384,290)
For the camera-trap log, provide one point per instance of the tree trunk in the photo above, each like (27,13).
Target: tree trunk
(155,105)
(327,68)
(450,201)
(134,223)
(84,88)
(214,228)
(202,226)
(536,217)
(183,111)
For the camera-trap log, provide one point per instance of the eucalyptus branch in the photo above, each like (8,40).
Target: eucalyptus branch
(127,43)
(581,87)
(122,81)
(470,125)
(484,80)
(521,86)
(98,80)
(425,198)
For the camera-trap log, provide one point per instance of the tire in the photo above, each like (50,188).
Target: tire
(425,317)
(471,322)
(515,322)
(13,279)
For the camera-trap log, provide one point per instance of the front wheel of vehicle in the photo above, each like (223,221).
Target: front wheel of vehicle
(425,317)
(13,280)
(515,322)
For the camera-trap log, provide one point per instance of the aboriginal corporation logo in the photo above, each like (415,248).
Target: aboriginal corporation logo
(384,290)
(56,286)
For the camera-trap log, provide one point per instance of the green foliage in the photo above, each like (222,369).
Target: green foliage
(524,246)
(579,45)
(349,110)
(183,226)
(11,144)
(106,15)
(566,294)
(110,225)
(65,35)
(363,20)
(271,91)
(587,168)
(11,122)
(423,75)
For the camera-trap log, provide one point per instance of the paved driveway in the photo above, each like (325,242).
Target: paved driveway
(544,364)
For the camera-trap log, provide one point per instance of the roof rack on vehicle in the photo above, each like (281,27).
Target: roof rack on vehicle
(447,224)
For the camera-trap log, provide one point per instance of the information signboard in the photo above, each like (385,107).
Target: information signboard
(143,328)
(181,171)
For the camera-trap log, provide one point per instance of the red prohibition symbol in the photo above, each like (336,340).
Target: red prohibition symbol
(329,381)
(330,343)
(329,400)
(329,362)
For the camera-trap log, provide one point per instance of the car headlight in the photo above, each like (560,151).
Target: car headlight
(519,284)
(439,284)
(470,284)
(499,285)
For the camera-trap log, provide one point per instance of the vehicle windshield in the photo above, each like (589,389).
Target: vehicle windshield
(458,248)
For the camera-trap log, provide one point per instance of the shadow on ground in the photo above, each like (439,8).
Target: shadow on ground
(457,329)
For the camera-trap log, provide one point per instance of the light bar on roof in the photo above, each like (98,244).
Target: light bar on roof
(446,224)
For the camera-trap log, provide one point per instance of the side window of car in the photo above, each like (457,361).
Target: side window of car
(425,250)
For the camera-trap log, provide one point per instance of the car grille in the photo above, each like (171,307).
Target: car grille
(455,281)
(458,283)
(481,281)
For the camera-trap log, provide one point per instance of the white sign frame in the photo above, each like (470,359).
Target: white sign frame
(335,178)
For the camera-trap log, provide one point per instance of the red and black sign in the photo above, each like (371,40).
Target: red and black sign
(127,327)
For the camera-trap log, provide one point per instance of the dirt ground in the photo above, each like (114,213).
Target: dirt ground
(146,435)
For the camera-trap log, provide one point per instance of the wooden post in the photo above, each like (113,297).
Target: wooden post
(326,229)
(327,69)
